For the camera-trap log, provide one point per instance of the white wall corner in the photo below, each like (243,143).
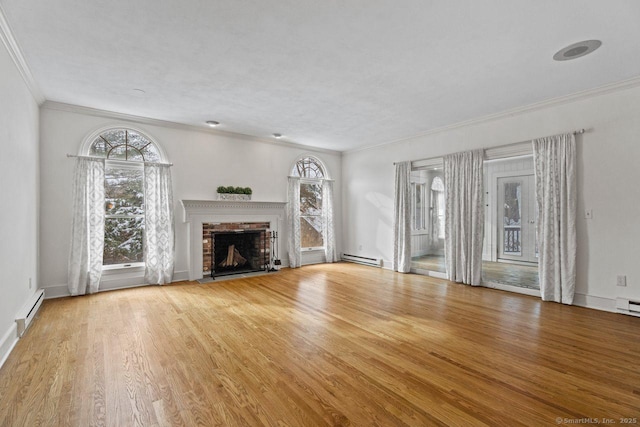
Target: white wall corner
(8,342)
(6,35)
(56,291)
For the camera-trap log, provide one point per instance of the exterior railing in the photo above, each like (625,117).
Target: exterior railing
(512,242)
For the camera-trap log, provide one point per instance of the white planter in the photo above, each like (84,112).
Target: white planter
(233,197)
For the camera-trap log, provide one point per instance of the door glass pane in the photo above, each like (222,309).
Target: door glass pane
(512,218)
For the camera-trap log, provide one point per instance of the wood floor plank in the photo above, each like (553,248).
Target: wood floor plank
(334,344)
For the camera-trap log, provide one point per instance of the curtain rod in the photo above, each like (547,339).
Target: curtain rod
(130,161)
(575,132)
(311,179)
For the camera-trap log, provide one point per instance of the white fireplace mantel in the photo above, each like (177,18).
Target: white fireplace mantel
(198,212)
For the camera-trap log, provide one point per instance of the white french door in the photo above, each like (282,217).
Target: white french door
(516,221)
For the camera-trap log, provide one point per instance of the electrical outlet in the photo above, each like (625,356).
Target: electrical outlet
(588,214)
(622,281)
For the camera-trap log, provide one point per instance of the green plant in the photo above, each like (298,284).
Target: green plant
(234,190)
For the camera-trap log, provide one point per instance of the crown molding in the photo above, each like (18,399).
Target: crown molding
(561,100)
(79,109)
(18,59)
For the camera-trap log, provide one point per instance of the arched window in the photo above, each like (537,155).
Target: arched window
(311,172)
(125,151)
(309,168)
(124,144)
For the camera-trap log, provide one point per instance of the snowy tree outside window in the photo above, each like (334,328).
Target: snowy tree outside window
(311,174)
(126,151)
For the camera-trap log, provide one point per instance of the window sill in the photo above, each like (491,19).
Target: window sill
(123,267)
(307,250)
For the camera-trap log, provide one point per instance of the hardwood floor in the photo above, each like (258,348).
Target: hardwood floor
(522,276)
(338,344)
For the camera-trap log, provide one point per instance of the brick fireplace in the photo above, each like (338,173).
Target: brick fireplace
(206,216)
(250,239)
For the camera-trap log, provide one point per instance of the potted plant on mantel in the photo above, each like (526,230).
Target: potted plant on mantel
(234,193)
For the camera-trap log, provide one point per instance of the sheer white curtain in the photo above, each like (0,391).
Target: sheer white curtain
(434,219)
(293,217)
(158,224)
(555,175)
(87,229)
(402,219)
(328,229)
(464,216)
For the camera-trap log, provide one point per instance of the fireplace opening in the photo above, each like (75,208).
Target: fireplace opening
(238,251)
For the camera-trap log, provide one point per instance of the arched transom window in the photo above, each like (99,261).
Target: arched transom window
(124,144)
(308,167)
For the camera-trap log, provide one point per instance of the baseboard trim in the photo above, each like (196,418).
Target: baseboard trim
(56,291)
(511,288)
(597,303)
(430,273)
(8,342)
(61,291)
(180,276)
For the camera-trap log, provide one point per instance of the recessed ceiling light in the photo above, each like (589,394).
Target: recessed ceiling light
(577,50)
(212,123)
(277,135)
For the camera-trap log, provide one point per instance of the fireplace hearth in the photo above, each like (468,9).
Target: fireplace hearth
(239,251)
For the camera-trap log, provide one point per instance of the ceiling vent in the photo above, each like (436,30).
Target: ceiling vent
(577,50)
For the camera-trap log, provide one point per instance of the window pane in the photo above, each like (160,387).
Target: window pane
(98,148)
(124,191)
(308,168)
(134,155)
(117,153)
(512,215)
(143,147)
(150,153)
(310,199)
(115,136)
(311,232)
(123,240)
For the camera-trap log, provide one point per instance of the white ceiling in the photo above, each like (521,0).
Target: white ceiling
(335,74)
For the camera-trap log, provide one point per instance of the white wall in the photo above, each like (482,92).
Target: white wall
(202,160)
(608,183)
(19,194)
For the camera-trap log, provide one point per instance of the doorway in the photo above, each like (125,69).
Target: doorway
(510,258)
(516,219)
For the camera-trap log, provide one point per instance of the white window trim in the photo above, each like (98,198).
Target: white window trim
(128,266)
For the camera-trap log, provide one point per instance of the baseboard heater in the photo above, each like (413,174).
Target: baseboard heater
(629,306)
(362,260)
(28,312)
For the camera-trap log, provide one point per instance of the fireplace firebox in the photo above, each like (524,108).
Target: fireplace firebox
(238,251)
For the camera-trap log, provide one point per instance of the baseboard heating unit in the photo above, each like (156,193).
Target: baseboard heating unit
(28,312)
(374,262)
(628,306)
